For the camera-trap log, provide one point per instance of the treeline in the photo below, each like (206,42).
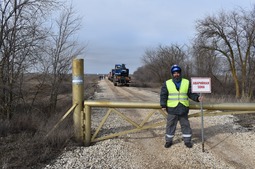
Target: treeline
(37,36)
(223,49)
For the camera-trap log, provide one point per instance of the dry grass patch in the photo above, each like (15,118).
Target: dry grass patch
(23,141)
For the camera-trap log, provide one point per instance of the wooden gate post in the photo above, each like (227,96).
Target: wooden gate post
(87,139)
(78,96)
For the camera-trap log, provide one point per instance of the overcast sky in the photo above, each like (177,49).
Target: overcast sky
(119,31)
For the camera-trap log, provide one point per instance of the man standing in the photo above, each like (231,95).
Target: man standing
(174,97)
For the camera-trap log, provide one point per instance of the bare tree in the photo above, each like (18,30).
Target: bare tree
(160,60)
(63,47)
(231,35)
(207,64)
(19,36)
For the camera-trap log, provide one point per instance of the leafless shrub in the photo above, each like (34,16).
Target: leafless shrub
(4,127)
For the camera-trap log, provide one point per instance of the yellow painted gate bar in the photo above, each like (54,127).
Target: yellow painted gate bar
(232,108)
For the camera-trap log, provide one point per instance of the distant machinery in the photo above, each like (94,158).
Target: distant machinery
(120,75)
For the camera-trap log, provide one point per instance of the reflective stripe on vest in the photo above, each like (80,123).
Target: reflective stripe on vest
(175,96)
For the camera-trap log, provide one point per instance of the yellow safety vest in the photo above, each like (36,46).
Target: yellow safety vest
(175,96)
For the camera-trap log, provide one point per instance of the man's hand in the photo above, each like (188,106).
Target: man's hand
(200,98)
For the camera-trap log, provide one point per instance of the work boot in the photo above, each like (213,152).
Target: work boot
(168,144)
(188,144)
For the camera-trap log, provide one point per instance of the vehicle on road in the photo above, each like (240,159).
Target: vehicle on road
(120,75)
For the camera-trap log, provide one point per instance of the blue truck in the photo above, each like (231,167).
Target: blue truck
(120,75)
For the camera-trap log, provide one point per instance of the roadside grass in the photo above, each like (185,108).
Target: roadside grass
(23,141)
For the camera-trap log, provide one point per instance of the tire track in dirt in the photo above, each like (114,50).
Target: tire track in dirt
(124,93)
(145,139)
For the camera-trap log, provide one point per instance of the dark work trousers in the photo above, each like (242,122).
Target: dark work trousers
(172,121)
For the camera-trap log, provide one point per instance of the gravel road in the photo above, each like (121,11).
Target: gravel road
(227,144)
